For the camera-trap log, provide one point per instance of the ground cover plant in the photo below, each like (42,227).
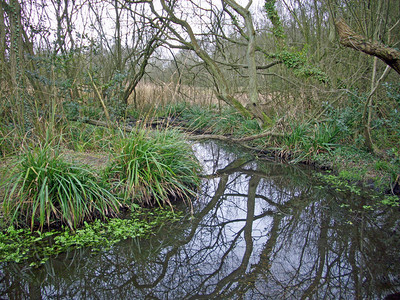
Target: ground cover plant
(17,245)
(207,119)
(305,140)
(49,187)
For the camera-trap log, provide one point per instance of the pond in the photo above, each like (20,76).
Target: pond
(259,230)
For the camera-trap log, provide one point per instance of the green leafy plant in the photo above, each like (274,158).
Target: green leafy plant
(154,167)
(297,61)
(273,16)
(71,110)
(304,141)
(231,122)
(339,184)
(295,137)
(390,200)
(325,137)
(17,245)
(44,189)
(226,121)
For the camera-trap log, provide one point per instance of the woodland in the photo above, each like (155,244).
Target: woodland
(313,81)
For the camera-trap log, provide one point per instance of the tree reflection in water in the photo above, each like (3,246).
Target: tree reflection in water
(261,230)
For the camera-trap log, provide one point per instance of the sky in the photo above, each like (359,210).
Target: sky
(86,24)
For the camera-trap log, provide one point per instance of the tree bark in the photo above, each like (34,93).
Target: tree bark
(2,35)
(353,40)
(15,44)
(253,106)
(367,112)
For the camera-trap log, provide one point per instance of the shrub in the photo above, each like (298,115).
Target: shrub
(154,167)
(44,189)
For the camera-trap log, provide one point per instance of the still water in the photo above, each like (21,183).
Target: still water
(259,230)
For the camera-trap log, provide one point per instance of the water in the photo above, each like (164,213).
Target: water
(260,230)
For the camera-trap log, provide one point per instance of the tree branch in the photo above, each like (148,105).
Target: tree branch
(353,40)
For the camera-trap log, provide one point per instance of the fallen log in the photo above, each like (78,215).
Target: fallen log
(235,140)
(190,135)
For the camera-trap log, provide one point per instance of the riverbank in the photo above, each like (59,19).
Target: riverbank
(321,144)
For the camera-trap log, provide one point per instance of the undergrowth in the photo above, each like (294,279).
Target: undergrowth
(48,188)
(302,142)
(226,121)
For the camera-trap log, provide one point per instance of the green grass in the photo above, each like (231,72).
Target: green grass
(154,167)
(83,137)
(43,189)
(305,141)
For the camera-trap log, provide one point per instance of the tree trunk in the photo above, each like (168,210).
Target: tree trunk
(253,104)
(351,39)
(16,43)
(223,90)
(2,35)
(367,113)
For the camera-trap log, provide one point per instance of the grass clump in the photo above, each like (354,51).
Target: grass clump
(43,189)
(304,141)
(154,167)
(10,140)
(82,137)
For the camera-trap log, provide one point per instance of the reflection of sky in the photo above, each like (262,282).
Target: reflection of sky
(231,213)
(212,157)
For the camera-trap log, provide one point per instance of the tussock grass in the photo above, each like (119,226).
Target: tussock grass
(154,167)
(225,121)
(304,141)
(43,189)
(49,188)
(82,137)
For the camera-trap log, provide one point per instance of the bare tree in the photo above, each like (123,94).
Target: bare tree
(127,53)
(181,34)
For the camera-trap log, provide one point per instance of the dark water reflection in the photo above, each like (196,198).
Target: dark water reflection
(261,230)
